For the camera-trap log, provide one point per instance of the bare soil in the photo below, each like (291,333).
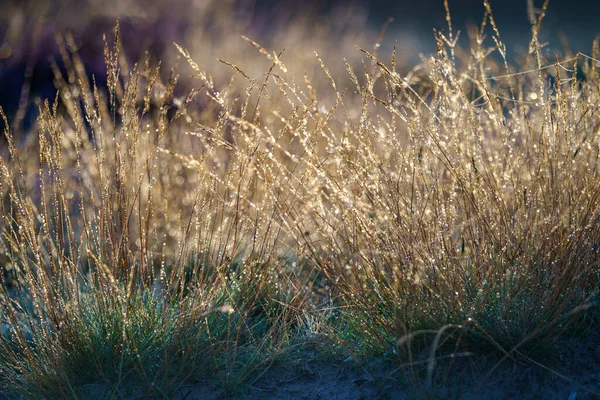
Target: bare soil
(313,380)
(306,377)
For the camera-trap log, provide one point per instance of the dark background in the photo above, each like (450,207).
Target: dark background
(577,20)
(28,29)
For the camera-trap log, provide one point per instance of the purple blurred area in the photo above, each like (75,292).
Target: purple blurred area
(28,31)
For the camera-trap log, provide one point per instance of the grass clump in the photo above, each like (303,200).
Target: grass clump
(121,274)
(448,210)
(480,223)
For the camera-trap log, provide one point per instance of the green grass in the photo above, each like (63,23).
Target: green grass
(449,211)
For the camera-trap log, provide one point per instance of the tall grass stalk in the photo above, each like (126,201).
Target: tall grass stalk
(154,236)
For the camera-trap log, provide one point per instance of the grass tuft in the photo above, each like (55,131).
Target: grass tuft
(152,237)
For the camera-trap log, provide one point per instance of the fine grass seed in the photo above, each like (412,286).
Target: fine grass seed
(434,220)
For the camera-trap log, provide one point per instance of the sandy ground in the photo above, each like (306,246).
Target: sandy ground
(576,376)
(318,380)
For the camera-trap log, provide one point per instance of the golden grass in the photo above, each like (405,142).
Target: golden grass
(432,210)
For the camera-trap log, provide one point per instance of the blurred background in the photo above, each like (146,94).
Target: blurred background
(209,29)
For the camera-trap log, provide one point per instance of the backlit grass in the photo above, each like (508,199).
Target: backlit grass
(154,236)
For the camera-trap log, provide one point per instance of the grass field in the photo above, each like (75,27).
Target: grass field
(414,222)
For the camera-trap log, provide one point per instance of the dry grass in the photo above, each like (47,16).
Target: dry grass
(453,209)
